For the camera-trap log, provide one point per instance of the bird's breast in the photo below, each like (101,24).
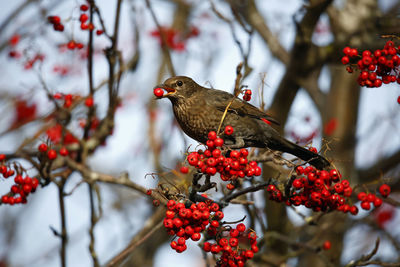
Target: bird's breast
(195,119)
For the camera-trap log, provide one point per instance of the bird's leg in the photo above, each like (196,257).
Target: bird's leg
(239,143)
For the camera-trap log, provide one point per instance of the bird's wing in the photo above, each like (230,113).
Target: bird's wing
(221,99)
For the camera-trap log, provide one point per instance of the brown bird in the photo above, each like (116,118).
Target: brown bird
(199,110)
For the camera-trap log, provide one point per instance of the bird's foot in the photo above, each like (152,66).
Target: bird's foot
(239,143)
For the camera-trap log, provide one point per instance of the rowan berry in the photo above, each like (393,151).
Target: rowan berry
(83,18)
(228,130)
(158,92)
(52,154)
(327,245)
(42,147)
(184,169)
(84,7)
(384,189)
(241,227)
(365,205)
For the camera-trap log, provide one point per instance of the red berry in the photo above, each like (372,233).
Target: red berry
(58,27)
(207,246)
(362,196)
(377,202)
(71,45)
(99,32)
(353,52)
(212,135)
(35,183)
(371,197)
(230,186)
(52,154)
(365,205)
(354,210)
(54,19)
(249,254)
(385,189)
(313,149)
(173,244)
(83,18)
(84,26)
(228,130)
(246,97)
(89,102)
(326,245)
(299,170)
(218,142)
(196,237)
(346,50)
(181,241)
(64,152)
(42,147)
(345,60)
(297,184)
(4,199)
(84,7)
(241,227)
(27,188)
(158,92)
(184,169)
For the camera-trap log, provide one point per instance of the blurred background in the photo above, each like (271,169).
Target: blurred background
(291,52)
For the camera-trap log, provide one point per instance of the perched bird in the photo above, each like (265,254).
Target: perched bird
(199,110)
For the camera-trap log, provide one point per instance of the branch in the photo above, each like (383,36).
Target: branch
(256,21)
(15,13)
(253,188)
(380,167)
(93,176)
(164,45)
(63,235)
(153,224)
(365,258)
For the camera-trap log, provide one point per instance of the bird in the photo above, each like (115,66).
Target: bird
(198,110)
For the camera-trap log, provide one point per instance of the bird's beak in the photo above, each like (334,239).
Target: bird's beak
(170,91)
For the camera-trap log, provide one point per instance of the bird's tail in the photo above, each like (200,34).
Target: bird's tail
(313,158)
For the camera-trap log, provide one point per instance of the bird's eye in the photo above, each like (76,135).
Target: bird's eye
(179,83)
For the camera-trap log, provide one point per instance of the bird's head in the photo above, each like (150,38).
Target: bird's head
(178,87)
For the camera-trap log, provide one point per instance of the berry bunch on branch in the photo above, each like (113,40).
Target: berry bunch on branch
(376,67)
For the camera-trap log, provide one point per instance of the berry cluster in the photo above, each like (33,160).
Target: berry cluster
(367,199)
(315,189)
(228,243)
(83,18)
(29,64)
(247,95)
(22,187)
(71,45)
(68,98)
(13,42)
(57,135)
(52,153)
(231,166)
(377,67)
(189,222)
(56,21)
(175,40)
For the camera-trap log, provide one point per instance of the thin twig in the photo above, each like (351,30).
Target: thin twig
(63,234)
(253,188)
(164,45)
